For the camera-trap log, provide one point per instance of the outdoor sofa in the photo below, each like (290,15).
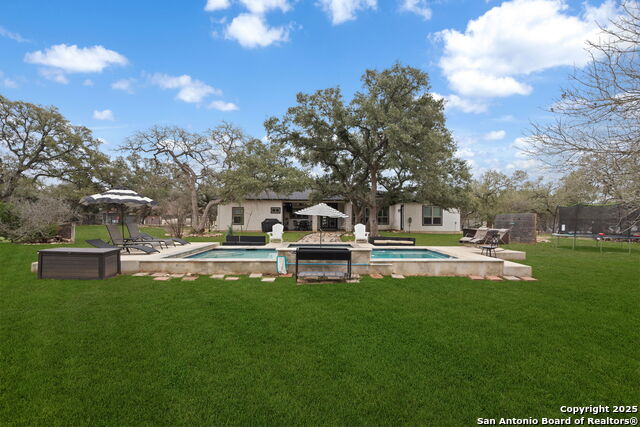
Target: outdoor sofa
(245,240)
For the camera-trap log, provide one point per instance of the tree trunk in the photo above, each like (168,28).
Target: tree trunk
(194,205)
(199,227)
(373,204)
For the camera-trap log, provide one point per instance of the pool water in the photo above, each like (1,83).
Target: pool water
(407,254)
(266,254)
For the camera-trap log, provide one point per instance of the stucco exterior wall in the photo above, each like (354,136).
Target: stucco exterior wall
(255,211)
(450,220)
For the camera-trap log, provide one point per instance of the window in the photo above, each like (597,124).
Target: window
(431,215)
(383,215)
(275,210)
(237,216)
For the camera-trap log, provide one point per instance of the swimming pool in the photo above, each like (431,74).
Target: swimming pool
(407,254)
(263,254)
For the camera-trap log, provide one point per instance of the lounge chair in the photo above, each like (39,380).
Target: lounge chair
(276,232)
(97,243)
(136,234)
(503,235)
(360,233)
(117,239)
(479,234)
(490,234)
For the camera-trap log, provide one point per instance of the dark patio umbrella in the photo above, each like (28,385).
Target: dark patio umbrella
(121,197)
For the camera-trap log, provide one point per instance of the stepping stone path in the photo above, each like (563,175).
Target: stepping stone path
(494,278)
(376,276)
(353,281)
(255,275)
(473,277)
(397,276)
(514,278)
(287,275)
(177,275)
(140,274)
(189,278)
(163,278)
(217,276)
(268,279)
(232,278)
(529,279)
(160,274)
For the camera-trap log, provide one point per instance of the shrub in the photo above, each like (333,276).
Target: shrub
(175,211)
(33,221)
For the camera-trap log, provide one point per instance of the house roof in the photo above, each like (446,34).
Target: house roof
(295,196)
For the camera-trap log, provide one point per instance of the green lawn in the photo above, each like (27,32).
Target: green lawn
(429,351)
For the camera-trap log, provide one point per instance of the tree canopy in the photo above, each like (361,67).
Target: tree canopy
(38,142)
(393,130)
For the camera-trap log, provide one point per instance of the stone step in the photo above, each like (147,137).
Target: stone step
(514,269)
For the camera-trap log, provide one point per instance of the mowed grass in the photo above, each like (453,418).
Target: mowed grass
(428,351)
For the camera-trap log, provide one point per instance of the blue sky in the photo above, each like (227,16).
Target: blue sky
(122,66)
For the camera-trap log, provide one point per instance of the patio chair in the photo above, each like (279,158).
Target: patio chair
(117,239)
(360,233)
(136,234)
(98,243)
(479,234)
(489,248)
(276,232)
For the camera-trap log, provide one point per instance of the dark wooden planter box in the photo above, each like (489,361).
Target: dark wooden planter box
(78,263)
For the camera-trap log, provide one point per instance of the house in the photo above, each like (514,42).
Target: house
(411,217)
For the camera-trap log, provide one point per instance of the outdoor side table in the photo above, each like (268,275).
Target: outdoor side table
(78,263)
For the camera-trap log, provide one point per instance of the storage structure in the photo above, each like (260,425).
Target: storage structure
(78,263)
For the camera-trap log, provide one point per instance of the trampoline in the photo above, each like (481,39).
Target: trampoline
(599,222)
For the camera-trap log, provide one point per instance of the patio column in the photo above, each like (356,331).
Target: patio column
(314,223)
(348,222)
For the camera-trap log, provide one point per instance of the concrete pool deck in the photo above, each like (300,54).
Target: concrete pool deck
(466,261)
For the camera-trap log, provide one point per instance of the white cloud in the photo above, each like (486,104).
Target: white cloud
(419,7)
(87,82)
(125,85)
(103,115)
(517,38)
(223,106)
(7,82)
(213,5)
(494,135)
(252,31)
(54,75)
(189,89)
(11,35)
(263,6)
(72,59)
(345,10)
(455,102)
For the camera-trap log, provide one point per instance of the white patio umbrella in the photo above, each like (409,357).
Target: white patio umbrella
(119,196)
(322,209)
